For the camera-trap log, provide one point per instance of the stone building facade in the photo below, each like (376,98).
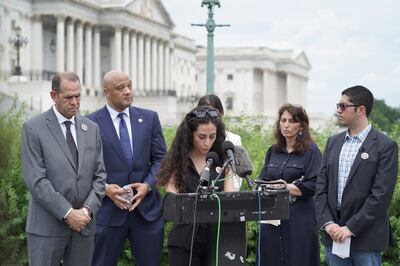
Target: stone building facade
(91,37)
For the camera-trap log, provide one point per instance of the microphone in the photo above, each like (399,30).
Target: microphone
(230,150)
(244,165)
(211,158)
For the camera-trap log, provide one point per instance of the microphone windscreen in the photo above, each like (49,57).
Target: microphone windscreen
(244,166)
(212,155)
(227,145)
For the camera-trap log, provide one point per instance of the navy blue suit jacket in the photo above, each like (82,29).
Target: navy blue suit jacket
(148,150)
(367,194)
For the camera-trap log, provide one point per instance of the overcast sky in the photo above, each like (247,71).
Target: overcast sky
(347,42)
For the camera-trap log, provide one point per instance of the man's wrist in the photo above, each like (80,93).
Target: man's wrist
(352,234)
(87,210)
(326,224)
(66,215)
(148,186)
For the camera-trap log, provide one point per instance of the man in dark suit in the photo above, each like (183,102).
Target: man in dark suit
(63,168)
(133,149)
(355,184)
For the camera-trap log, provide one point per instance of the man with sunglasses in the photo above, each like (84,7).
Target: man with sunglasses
(355,184)
(133,149)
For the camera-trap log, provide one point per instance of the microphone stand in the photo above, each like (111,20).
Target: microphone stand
(249,182)
(213,188)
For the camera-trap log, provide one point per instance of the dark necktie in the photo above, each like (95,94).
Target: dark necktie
(71,143)
(124,139)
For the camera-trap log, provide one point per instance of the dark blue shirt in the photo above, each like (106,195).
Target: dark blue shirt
(300,169)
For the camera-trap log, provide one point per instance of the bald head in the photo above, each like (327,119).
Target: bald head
(118,90)
(113,76)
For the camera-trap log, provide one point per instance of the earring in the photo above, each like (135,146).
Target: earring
(300,133)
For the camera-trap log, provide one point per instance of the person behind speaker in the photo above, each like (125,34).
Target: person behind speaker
(295,159)
(215,102)
(201,131)
(62,159)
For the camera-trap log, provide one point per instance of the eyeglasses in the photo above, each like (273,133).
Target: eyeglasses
(203,113)
(343,106)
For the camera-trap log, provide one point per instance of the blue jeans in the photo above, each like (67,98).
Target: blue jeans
(357,258)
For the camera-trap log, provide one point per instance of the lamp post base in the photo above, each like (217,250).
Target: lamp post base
(17,79)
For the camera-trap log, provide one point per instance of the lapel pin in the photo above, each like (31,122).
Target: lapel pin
(84,127)
(364,156)
(140,120)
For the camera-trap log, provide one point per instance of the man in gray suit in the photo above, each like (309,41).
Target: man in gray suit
(64,171)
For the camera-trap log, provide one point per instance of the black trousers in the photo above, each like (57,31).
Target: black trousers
(178,256)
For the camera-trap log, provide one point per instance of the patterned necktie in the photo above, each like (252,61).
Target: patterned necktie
(124,139)
(71,143)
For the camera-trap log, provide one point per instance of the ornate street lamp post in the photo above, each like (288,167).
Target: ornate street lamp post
(18,42)
(210,26)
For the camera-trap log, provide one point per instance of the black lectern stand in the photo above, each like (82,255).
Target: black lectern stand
(236,209)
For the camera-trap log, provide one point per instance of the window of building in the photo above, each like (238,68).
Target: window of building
(229,103)
(96,93)
(196,77)
(88,92)
(229,77)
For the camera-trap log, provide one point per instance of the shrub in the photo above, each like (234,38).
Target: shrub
(13,192)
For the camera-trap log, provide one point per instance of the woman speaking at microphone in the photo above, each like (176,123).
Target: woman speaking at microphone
(201,131)
(294,159)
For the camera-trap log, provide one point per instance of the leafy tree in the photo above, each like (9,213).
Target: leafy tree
(13,192)
(384,116)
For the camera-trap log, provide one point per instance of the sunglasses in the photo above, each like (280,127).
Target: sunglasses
(343,106)
(203,113)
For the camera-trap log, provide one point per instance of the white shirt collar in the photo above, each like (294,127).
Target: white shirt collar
(114,113)
(61,119)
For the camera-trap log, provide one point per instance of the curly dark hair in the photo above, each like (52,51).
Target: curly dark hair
(303,140)
(177,162)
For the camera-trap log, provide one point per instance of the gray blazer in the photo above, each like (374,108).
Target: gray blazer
(53,181)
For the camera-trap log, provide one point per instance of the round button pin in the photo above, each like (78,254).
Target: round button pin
(364,156)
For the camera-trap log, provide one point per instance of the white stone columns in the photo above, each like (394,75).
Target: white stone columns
(134,62)
(60,43)
(118,47)
(167,66)
(79,50)
(70,45)
(147,63)
(88,56)
(26,51)
(296,89)
(96,61)
(160,84)
(154,61)
(270,87)
(291,89)
(5,21)
(141,61)
(126,52)
(37,48)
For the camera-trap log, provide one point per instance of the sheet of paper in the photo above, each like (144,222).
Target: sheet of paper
(342,249)
(273,222)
